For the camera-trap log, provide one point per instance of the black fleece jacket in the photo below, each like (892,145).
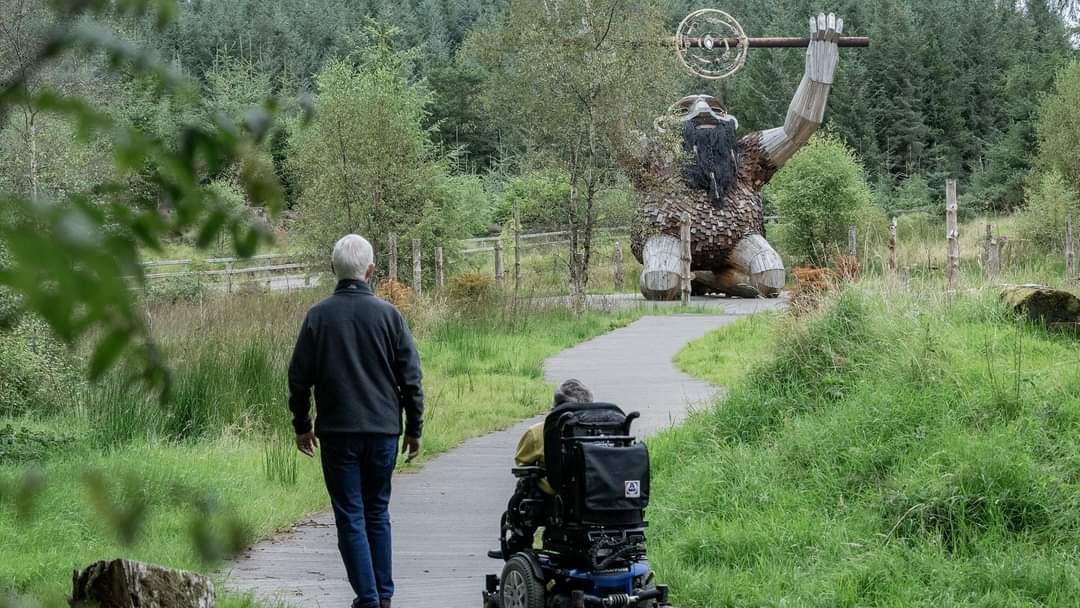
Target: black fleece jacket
(356,351)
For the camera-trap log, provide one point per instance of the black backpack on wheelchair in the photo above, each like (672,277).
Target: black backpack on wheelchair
(593,551)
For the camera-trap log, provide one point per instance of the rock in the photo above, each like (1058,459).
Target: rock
(1043,304)
(123,583)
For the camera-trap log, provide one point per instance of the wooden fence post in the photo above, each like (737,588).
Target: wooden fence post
(1070,252)
(989,237)
(892,245)
(517,256)
(993,259)
(392,259)
(417,267)
(228,275)
(952,233)
(852,242)
(685,258)
(499,262)
(620,273)
(439,280)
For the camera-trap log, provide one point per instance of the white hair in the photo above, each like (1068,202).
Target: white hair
(352,257)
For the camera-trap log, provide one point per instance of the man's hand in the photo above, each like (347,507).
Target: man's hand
(307,443)
(411,446)
(823,52)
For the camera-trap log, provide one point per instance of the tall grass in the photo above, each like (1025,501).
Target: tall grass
(882,455)
(280,460)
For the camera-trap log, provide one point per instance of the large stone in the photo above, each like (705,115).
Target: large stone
(123,583)
(1043,304)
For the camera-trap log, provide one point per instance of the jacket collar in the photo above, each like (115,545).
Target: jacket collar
(353,286)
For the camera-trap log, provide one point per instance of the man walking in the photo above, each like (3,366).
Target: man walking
(356,351)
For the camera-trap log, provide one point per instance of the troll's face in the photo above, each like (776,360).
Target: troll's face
(710,143)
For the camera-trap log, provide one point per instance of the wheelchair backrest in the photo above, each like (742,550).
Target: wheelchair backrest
(594,464)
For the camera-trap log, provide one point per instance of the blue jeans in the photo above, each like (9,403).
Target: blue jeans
(357,469)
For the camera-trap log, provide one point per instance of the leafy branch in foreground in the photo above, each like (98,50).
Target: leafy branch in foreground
(74,259)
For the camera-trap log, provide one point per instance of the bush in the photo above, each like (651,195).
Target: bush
(539,195)
(1059,126)
(189,288)
(36,372)
(919,227)
(819,193)
(1049,201)
(472,288)
(912,196)
(400,295)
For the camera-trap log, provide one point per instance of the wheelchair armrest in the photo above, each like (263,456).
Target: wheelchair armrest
(533,471)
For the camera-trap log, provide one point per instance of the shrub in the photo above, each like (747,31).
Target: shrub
(36,372)
(189,288)
(400,295)
(9,301)
(913,195)
(538,196)
(918,227)
(472,288)
(819,193)
(1049,201)
(18,445)
(1059,126)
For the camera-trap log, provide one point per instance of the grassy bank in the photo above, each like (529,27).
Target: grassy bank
(894,450)
(184,483)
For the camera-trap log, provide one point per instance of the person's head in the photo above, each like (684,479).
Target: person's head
(353,258)
(572,391)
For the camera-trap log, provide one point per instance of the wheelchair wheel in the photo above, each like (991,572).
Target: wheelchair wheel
(519,587)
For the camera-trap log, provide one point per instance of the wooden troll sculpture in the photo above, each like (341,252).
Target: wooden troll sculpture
(695,165)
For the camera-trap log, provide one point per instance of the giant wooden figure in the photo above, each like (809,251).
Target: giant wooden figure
(718,180)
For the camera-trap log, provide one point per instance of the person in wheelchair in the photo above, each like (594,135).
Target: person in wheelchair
(530,453)
(585,479)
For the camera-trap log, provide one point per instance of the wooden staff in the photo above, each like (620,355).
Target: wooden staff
(771,42)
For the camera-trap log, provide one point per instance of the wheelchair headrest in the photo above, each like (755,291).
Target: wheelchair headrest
(605,417)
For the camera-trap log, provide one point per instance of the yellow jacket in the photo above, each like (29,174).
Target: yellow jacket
(530,452)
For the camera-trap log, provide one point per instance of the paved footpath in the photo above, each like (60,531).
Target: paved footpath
(446,515)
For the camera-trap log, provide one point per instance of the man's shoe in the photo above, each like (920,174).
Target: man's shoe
(495,554)
(384,603)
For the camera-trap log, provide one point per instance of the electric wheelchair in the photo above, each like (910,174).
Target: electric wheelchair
(593,544)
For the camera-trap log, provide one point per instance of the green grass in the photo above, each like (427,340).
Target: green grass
(726,355)
(216,454)
(895,449)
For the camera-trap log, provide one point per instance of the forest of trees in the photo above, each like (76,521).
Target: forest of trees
(949,88)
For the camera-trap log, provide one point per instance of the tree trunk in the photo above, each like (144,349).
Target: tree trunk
(892,246)
(439,279)
(123,583)
(619,274)
(660,277)
(953,234)
(392,265)
(685,260)
(32,135)
(417,266)
(517,249)
(1070,252)
(499,269)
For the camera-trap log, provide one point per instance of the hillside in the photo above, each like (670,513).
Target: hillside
(890,453)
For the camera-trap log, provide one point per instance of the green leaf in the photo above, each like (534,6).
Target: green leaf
(108,350)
